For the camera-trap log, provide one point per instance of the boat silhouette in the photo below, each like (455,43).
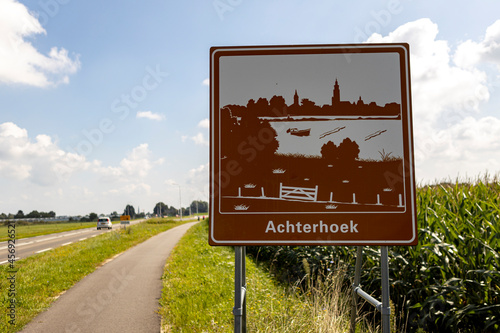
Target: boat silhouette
(295,131)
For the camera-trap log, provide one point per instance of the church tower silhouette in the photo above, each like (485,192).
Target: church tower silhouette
(296,98)
(336,95)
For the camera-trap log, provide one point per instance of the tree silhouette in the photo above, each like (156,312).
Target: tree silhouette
(262,107)
(129,210)
(348,150)
(329,152)
(249,139)
(200,206)
(278,106)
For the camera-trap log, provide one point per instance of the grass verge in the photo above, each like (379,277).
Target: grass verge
(41,278)
(199,287)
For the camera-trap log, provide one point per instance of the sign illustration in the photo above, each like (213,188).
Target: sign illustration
(311,145)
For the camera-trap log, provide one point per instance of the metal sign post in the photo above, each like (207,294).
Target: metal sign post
(384,306)
(240,288)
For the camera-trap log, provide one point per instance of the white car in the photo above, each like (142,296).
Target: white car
(104,222)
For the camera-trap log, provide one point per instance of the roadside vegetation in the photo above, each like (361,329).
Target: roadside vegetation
(198,294)
(41,278)
(449,282)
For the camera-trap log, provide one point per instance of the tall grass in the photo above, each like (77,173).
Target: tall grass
(198,294)
(449,282)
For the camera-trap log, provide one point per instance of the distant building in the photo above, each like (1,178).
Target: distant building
(339,107)
(336,95)
(296,99)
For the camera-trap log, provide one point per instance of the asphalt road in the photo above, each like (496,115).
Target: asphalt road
(26,247)
(121,296)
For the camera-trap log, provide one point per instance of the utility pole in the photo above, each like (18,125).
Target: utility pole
(180,201)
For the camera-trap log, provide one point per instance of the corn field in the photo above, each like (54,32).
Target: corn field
(449,282)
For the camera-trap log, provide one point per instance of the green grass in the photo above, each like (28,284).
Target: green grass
(41,278)
(38,229)
(199,287)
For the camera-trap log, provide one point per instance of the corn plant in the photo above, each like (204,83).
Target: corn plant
(449,282)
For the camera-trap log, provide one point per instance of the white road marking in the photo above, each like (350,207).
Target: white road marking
(83,238)
(67,243)
(44,250)
(3,262)
(46,239)
(2,248)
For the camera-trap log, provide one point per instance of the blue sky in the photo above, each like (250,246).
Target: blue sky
(106,103)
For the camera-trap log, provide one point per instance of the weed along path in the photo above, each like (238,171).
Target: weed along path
(120,296)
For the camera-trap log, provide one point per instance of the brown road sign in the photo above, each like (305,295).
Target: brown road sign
(311,145)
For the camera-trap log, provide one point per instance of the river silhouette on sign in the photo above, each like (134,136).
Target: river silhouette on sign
(371,135)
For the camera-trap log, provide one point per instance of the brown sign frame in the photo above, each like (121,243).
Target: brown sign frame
(256,201)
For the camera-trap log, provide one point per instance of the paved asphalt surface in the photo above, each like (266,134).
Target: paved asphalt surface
(29,246)
(121,296)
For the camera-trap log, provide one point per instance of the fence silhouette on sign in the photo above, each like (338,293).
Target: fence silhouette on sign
(312,195)
(298,193)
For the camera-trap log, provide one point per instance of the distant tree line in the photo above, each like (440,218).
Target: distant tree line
(162,209)
(33,215)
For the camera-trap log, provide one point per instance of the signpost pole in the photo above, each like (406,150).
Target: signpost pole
(357,277)
(386,307)
(239,310)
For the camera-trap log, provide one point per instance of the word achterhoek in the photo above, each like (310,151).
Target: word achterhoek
(291,228)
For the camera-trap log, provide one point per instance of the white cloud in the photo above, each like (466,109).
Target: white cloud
(205,123)
(40,175)
(41,161)
(150,115)
(135,166)
(21,62)
(199,139)
(133,188)
(437,85)
(171,182)
(206,82)
(470,53)
(199,174)
(468,148)
(198,179)
(452,138)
